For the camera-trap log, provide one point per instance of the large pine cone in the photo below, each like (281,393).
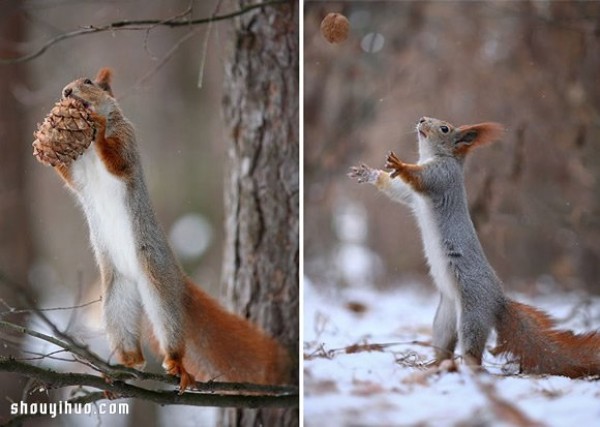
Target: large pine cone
(65,133)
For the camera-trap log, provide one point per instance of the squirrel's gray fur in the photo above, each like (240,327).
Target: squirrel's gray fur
(471,293)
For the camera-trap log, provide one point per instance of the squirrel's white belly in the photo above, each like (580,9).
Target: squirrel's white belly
(432,244)
(103,198)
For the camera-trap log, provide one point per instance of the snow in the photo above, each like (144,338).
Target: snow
(391,386)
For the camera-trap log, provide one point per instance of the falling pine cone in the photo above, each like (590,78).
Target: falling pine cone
(65,133)
(335,27)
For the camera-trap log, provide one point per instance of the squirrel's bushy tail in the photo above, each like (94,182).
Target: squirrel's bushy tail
(530,335)
(225,347)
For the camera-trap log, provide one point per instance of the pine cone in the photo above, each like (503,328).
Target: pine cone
(335,27)
(65,133)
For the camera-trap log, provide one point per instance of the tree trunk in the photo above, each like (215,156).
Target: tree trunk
(14,229)
(14,247)
(260,270)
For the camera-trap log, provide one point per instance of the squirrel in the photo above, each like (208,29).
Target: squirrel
(141,279)
(472,301)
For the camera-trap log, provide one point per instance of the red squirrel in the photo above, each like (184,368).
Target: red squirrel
(140,276)
(472,301)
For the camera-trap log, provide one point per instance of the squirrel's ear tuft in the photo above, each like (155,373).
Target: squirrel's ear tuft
(103,79)
(470,136)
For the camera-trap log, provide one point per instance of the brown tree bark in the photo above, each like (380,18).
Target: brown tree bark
(260,270)
(14,247)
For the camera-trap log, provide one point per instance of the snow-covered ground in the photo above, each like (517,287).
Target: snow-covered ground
(364,355)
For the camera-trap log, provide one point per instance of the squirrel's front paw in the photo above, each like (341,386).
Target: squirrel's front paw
(393,162)
(363,173)
(97,118)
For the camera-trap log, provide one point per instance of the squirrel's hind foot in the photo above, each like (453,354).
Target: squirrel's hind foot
(173,365)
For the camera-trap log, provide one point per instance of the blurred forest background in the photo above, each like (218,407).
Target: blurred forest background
(535,196)
(44,243)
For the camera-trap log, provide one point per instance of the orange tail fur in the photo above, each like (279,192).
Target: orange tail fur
(222,346)
(530,335)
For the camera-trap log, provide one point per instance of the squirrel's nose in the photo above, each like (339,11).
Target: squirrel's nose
(67,92)
(422,120)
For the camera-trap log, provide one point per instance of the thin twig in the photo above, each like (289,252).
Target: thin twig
(64,340)
(30,310)
(186,13)
(160,64)
(205,45)
(41,356)
(114,371)
(321,352)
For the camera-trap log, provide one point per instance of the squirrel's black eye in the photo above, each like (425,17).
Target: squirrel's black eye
(444,129)
(87,82)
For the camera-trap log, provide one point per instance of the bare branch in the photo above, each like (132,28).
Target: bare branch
(207,394)
(64,340)
(211,393)
(144,24)
(115,371)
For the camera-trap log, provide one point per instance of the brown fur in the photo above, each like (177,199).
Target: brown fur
(485,133)
(110,149)
(411,174)
(131,358)
(110,152)
(104,78)
(221,345)
(174,365)
(65,173)
(529,334)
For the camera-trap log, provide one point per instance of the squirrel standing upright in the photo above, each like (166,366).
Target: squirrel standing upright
(140,275)
(472,301)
